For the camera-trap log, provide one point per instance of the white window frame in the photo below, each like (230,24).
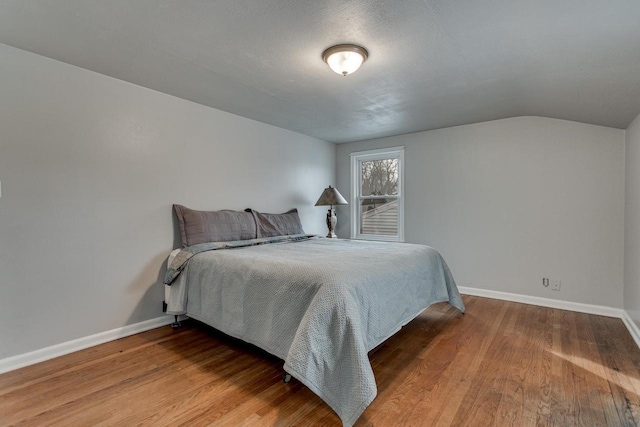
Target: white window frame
(356,187)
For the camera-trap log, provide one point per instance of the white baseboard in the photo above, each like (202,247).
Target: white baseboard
(632,327)
(37,356)
(600,310)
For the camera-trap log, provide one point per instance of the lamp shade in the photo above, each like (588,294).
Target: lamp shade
(330,196)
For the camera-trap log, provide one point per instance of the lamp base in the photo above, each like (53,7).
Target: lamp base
(332,221)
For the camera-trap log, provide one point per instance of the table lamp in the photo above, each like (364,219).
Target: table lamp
(329,197)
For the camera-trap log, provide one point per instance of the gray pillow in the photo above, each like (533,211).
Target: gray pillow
(214,226)
(285,224)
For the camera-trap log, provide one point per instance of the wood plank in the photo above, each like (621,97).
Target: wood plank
(622,375)
(445,390)
(502,363)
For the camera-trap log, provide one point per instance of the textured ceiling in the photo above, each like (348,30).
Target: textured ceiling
(432,64)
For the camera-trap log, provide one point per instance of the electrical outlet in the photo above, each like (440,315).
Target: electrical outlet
(555,285)
(545,282)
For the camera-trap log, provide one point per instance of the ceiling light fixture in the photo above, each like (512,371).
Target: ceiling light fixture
(345,58)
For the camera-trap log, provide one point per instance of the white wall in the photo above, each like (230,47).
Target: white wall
(511,201)
(90,167)
(632,222)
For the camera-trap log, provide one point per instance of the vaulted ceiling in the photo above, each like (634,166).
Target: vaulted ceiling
(432,63)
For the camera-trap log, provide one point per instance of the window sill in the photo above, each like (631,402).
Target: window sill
(376,238)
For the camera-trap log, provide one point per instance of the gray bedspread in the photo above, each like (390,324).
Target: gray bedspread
(319,304)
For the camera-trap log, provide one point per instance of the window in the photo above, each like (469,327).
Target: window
(377,208)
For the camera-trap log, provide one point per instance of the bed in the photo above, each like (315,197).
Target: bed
(319,304)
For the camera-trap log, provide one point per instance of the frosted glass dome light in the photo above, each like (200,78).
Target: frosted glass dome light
(345,58)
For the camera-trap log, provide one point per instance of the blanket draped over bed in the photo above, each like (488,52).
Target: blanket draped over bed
(319,304)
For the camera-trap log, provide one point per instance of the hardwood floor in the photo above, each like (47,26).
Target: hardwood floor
(501,364)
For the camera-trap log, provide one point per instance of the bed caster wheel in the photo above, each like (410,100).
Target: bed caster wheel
(176,324)
(286,378)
